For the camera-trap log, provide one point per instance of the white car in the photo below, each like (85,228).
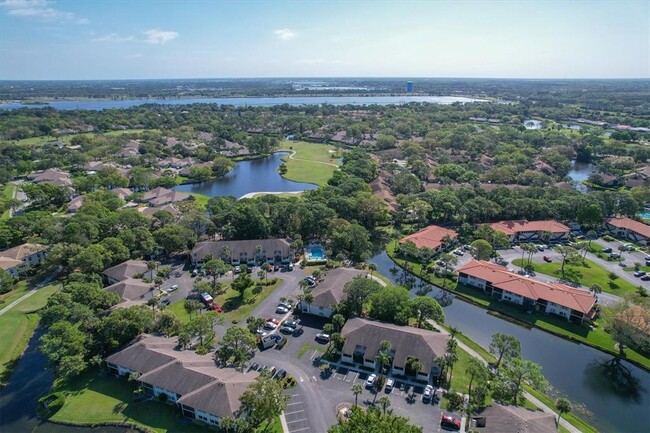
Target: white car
(270,326)
(281,309)
(237,269)
(428,393)
(390,383)
(371,380)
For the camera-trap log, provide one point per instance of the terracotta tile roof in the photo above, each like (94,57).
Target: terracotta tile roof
(631,225)
(500,277)
(430,237)
(516,226)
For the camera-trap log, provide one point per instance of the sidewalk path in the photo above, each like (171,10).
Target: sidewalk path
(570,427)
(30,293)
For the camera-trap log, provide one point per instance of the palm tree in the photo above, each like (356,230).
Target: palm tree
(153,303)
(596,289)
(258,250)
(302,284)
(356,390)
(309,298)
(152,265)
(384,402)
(452,357)
(372,267)
(383,359)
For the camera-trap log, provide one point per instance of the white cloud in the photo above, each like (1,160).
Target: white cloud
(156,36)
(311,61)
(39,9)
(113,37)
(284,34)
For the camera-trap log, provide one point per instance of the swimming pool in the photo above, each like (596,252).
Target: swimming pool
(645,215)
(315,252)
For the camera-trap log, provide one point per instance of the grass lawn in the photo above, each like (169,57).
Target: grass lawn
(8,193)
(68,138)
(281,195)
(18,324)
(200,199)
(238,308)
(312,163)
(94,400)
(7,298)
(587,275)
(234,306)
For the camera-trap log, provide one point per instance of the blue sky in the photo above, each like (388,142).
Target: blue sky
(97,39)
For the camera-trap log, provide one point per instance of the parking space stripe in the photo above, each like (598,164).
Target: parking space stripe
(300,429)
(293,404)
(298,420)
(297,411)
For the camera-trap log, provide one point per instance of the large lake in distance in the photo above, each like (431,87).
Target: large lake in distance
(103,104)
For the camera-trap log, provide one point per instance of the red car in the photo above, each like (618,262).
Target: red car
(272,320)
(216,308)
(449,423)
(547,259)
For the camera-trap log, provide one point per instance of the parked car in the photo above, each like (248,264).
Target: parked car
(540,248)
(371,380)
(615,255)
(286,305)
(276,268)
(263,368)
(450,423)
(237,269)
(272,320)
(270,326)
(195,272)
(165,302)
(390,383)
(215,307)
(323,338)
(172,288)
(607,250)
(262,333)
(281,374)
(459,252)
(286,330)
(428,393)
(290,266)
(622,264)
(646,277)
(291,324)
(254,366)
(639,273)
(206,298)
(281,310)
(547,259)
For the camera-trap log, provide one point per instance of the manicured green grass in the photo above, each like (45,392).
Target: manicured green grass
(91,399)
(238,308)
(587,275)
(312,163)
(282,195)
(570,417)
(8,193)
(307,347)
(7,298)
(200,199)
(235,307)
(18,324)
(36,141)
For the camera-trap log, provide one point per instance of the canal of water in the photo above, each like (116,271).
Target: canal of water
(616,395)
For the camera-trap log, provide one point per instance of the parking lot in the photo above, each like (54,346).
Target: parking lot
(296,414)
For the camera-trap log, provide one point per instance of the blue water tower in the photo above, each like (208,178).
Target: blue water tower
(409,86)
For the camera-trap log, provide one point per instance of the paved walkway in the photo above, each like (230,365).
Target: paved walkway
(28,294)
(570,427)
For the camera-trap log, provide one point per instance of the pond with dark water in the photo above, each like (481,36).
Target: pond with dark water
(255,175)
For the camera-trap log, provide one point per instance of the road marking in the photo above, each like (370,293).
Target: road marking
(295,395)
(313,355)
(301,379)
(296,411)
(293,404)
(298,420)
(301,429)
(314,378)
